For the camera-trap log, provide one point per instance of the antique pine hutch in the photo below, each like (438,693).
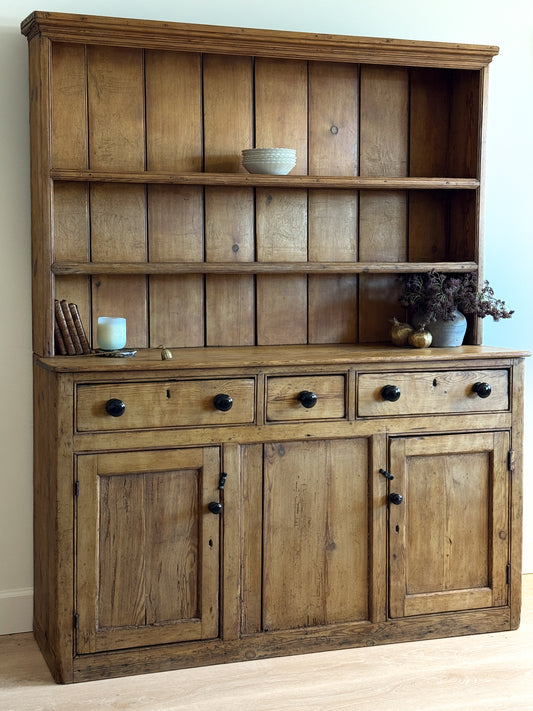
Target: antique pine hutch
(261,493)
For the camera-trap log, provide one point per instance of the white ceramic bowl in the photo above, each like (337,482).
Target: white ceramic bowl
(269,161)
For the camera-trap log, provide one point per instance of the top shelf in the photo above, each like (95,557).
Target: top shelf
(267,181)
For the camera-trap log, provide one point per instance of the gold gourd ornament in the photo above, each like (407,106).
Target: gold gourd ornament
(165,353)
(420,338)
(400,332)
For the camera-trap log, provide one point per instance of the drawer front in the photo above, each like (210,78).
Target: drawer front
(291,398)
(186,403)
(434,392)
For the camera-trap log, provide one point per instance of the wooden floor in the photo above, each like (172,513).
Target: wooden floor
(493,671)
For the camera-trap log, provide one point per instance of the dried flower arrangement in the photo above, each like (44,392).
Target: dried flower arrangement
(437,296)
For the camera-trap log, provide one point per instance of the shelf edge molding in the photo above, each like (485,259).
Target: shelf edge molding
(73,268)
(281,181)
(153,34)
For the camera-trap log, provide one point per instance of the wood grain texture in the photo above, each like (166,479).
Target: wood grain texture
(283,404)
(116,108)
(229,213)
(41,189)
(165,404)
(315,541)
(173,111)
(176,311)
(333,149)
(433,391)
(69,106)
(243,179)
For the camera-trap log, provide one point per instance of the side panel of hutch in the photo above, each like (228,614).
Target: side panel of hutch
(294,518)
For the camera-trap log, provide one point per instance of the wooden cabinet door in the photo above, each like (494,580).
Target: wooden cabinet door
(315,533)
(147,548)
(449,537)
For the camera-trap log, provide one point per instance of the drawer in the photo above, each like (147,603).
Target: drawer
(433,392)
(291,398)
(186,403)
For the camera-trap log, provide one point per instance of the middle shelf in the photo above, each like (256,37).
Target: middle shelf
(73,268)
(273,181)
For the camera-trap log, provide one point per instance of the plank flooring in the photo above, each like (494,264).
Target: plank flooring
(493,671)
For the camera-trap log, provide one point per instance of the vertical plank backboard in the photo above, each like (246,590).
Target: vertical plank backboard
(281,237)
(464,159)
(69,106)
(120,296)
(173,111)
(428,226)
(332,308)
(118,212)
(229,212)
(177,310)
(429,155)
(281,215)
(175,213)
(116,108)
(382,216)
(333,150)
(429,142)
(69,149)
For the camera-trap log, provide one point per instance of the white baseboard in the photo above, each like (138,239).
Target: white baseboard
(16,610)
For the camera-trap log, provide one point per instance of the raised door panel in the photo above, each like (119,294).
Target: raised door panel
(449,537)
(315,533)
(147,548)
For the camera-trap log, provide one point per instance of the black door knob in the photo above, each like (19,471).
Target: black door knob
(115,407)
(482,389)
(395,499)
(215,507)
(307,398)
(391,393)
(223,402)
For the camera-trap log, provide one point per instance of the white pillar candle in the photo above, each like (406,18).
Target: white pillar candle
(111,333)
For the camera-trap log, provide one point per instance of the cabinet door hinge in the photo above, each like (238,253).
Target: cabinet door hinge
(508,573)
(76,488)
(76,621)
(510,460)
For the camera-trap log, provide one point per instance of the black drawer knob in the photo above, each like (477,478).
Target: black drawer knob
(391,393)
(115,407)
(215,507)
(482,389)
(223,402)
(307,398)
(395,499)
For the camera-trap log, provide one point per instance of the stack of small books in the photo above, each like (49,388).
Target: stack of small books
(69,334)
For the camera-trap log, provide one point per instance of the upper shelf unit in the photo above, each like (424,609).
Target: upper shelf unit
(141,206)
